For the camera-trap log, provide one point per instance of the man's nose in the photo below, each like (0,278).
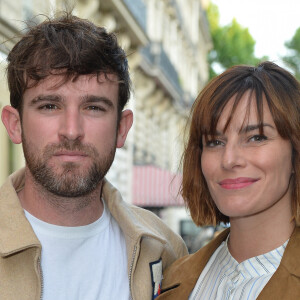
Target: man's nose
(71,125)
(233,156)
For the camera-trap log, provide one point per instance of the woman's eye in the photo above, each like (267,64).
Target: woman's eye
(95,108)
(213,143)
(258,138)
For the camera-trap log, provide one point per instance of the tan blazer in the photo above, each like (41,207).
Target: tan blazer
(180,279)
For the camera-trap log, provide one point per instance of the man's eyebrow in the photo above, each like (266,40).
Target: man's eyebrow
(84,99)
(97,99)
(253,127)
(40,98)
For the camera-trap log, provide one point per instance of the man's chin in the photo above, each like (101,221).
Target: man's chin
(69,181)
(68,178)
(68,168)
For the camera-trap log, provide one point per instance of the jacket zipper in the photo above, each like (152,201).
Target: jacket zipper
(41,277)
(130,269)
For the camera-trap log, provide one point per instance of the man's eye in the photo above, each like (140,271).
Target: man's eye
(258,138)
(213,143)
(48,107)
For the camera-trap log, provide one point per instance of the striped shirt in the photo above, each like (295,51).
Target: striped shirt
(223,278)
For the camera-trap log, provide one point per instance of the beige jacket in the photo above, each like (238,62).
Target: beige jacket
(148,240)
(180,279)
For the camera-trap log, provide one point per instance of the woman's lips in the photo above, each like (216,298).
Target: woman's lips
(237,183)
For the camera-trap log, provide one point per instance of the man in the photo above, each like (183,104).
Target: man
(65,232)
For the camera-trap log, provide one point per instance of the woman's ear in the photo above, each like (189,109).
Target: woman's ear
(12,122)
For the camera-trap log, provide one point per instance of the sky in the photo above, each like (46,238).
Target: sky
(270,22)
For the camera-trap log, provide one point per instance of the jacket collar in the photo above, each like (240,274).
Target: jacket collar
(291,258)
(287,275)
(129,217)
(186,271)
(16,233)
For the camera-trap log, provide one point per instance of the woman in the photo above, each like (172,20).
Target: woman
(241,165)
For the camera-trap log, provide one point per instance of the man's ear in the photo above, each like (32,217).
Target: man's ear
(124,126)
(12,122)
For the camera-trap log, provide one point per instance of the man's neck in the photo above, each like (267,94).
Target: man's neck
(62,211)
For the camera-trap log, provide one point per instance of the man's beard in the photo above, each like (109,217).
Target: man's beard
(74,180)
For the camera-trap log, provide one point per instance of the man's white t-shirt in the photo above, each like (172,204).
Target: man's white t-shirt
(85,262)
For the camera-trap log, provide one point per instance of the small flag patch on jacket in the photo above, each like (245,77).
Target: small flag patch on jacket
(156,277)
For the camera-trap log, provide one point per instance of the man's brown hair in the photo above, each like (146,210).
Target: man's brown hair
(68,46)
(266,81)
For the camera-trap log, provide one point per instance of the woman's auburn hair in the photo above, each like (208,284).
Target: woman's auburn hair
(266,81)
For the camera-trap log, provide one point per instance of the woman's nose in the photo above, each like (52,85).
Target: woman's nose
(233,156)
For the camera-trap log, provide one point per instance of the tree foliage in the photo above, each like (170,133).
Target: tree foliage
(293,58)
(232,44)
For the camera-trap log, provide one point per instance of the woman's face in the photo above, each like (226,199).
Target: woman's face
(248,173)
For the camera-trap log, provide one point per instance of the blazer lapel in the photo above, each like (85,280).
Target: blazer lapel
(182,277)
(285,282)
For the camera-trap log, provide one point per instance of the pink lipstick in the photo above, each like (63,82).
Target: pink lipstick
(237,183)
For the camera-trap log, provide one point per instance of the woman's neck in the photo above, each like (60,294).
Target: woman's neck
(254,235)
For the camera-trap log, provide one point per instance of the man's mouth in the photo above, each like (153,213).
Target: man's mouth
(71,156)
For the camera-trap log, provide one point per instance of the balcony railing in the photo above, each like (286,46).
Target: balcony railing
(156,56)
(139,11)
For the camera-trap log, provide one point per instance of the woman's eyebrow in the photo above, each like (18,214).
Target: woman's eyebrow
(246,129)
(253,127)
(216,133)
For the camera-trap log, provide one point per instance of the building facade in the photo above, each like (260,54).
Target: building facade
(14,17)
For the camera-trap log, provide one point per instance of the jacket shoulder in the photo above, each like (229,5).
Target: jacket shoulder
(137,222)
(157,226)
